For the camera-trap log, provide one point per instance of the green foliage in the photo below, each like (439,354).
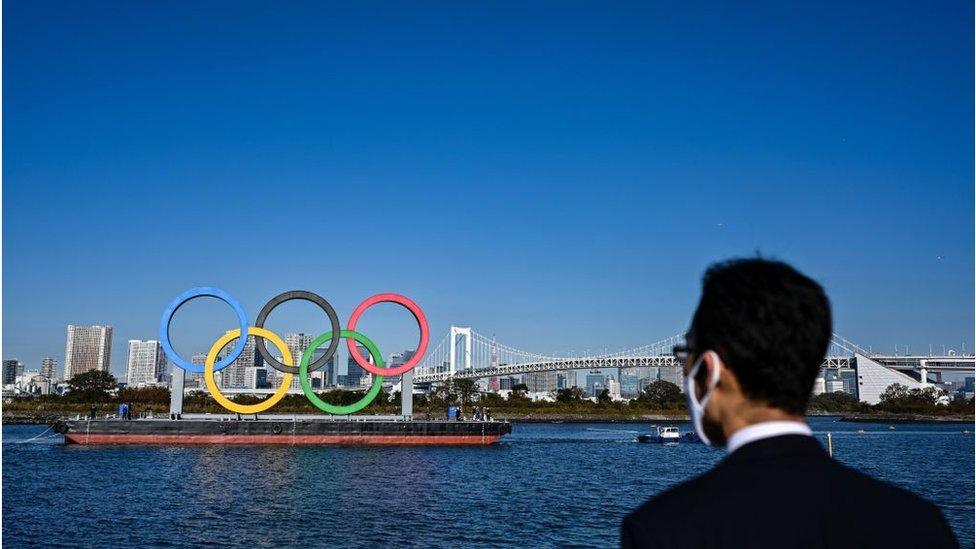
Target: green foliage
(91,386)
(838,401)
(492,400)
(519,395)
(144,395)
(899,398)
(661,395)
(570,395)
(466,389)
(444,394)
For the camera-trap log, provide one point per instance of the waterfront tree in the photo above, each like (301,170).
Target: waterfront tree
(899,398)
(661,395)
(570,395)
(466,389)
(838,401)
(91,386)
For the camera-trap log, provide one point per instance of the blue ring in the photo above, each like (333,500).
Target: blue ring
(177,303)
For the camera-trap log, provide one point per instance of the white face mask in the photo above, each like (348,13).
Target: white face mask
(696,407)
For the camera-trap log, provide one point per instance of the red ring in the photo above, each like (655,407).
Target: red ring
(418,314)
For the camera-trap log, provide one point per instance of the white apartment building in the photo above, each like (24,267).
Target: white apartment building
(87,348)
(146,364)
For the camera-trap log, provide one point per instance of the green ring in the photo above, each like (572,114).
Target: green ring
(331,408)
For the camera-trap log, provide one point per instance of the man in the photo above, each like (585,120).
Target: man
(752,353)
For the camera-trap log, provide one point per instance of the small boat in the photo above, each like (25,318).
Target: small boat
(668,435)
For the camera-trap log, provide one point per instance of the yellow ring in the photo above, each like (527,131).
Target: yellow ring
(208,371)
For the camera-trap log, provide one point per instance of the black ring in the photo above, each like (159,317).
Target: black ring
(288,296)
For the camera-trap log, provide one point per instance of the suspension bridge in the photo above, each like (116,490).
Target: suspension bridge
(465,354)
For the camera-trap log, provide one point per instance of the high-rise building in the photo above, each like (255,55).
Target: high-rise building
(613,387)
(397,359)
(256,378)
(87,348)
(819,385)
(566,380)
(540,382)
(506,383)
(592,381)
(849,377)
(49,367)
(297,343)
(10,368)
(234,375)
(628,384)
(146,364)
(355,374)
(325,376)
(199,359)
(402,357)
(836,379)
(672,374)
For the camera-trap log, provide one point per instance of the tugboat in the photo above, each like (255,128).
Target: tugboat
(668,435)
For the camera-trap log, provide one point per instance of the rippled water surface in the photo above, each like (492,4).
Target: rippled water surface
(546,485)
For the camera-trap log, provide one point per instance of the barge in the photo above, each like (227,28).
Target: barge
(293,430)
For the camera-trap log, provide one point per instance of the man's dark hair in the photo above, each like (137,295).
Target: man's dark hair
(771,326)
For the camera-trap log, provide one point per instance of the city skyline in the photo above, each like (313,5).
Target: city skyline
(563,188)
(140,351)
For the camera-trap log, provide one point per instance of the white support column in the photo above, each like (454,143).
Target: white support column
(924,372)
(176,392)
(452,353)
(406,395)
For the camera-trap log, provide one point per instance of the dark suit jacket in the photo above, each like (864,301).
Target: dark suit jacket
(785,492)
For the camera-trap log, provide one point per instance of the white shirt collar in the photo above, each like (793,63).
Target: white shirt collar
(766,429)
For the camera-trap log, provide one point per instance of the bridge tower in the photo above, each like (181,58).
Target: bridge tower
(452,360)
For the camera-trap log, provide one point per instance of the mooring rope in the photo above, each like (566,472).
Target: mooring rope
(33,438)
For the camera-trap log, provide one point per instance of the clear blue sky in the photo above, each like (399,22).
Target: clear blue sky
(556,173)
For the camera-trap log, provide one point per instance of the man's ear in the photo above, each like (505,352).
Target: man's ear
(713,366)
(726,379)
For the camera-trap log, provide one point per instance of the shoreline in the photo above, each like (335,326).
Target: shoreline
(583,418)
(45,418)
(904,418)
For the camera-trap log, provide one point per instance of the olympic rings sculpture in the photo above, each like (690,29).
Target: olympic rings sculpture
(286,365)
